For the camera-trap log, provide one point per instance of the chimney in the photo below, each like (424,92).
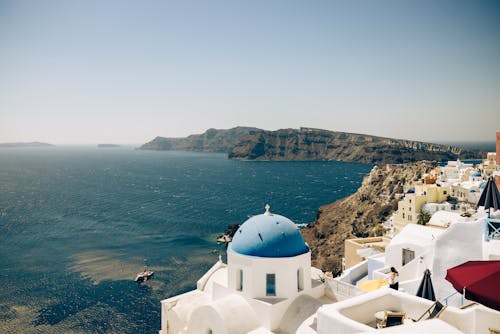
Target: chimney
(498,148)
(497,177)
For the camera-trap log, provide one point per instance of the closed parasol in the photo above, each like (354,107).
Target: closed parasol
(426,290)
(490,197)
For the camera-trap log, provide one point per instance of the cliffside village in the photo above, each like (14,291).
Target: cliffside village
(436,269)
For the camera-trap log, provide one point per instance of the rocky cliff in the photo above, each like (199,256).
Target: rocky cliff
(360,214)
(316,144)
(212,140)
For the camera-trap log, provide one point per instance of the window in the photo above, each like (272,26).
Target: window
(270,284)
(444,192)
(300,279)
(239,280)
(403,215)
(408,255)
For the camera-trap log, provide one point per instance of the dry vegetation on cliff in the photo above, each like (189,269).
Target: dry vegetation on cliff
(360,214)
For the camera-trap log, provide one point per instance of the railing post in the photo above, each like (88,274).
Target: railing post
(448,297)
(487,229)
(494,224)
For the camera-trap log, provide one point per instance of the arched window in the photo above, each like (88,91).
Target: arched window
(300,279)
(270,284)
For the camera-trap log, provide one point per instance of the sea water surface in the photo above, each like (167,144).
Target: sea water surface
(77,223)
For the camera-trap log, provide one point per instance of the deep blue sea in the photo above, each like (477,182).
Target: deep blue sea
(77,223)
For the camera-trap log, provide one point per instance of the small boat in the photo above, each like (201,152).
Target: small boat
(144,275)
(224,239)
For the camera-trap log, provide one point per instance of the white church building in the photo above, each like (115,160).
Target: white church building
(267,285)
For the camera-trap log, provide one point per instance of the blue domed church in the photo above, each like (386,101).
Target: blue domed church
(268,258)
(267,285)
(269,235)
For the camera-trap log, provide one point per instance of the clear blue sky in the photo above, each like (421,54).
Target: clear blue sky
(127,71)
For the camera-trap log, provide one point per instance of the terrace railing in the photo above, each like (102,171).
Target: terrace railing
(344,289)
(491,229)
(453,299)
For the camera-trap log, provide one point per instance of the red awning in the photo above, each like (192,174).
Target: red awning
(481,280)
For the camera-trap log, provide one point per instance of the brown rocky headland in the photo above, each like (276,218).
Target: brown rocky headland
(316,144)
(246,143)
(212,140)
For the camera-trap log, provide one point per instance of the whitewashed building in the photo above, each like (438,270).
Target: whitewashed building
(267,285)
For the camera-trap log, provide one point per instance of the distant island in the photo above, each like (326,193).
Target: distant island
(107,145)
(30,144)
(246,143)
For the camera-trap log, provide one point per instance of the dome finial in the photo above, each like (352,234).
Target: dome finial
(267,213)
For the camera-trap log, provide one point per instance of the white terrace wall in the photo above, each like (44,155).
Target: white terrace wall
(460,243)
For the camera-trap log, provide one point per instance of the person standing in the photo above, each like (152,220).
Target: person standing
(393,279)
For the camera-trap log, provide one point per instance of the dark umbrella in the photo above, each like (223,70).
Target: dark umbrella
(478,281)
(426,290)
(490,197)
